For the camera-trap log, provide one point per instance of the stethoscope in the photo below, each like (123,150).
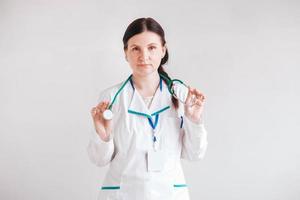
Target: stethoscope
(175,86)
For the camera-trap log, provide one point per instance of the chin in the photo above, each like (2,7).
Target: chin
(145,72)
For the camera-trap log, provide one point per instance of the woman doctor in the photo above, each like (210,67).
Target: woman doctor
(150,130)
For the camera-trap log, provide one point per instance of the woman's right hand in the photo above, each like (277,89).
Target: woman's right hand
(103,127)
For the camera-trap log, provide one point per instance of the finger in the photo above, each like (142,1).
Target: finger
(99,107)
(200,95)
(189,96)
(195,92)
(194,95)
(102,103)
(106,105)
(93,111)
(198,102)
(102,106)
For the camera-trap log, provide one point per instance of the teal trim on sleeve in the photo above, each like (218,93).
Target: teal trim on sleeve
(180,185)
(110,188)
(118,187)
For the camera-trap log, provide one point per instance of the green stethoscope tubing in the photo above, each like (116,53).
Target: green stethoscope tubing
(169,85)
(121,88)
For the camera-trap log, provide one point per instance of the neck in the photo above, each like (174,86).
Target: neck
(146,85)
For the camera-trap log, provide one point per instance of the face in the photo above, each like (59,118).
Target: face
(144,53)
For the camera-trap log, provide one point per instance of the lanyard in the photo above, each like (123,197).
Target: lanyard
(153,125)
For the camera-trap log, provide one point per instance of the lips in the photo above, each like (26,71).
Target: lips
(143,65)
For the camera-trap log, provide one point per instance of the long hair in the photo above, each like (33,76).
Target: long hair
(149,24)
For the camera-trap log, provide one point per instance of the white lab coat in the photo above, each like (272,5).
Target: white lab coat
(126,152)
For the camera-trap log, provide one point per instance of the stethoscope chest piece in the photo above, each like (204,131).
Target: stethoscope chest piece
(107,114)
(180,91)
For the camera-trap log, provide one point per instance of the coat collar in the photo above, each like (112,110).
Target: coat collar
(161,101)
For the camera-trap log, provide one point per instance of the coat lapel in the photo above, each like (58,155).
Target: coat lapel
(160,102)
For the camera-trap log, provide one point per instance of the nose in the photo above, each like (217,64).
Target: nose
(144,56)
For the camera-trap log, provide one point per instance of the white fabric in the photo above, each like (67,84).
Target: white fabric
(148,101)
(126,152)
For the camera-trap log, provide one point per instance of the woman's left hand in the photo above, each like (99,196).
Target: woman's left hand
(193,107)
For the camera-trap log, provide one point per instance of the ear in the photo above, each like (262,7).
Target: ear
(125,53)
(164,50)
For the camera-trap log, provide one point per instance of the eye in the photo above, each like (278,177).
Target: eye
(135,49)
(152,47)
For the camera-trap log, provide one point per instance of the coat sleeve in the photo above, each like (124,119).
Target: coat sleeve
(194,141)
(100,152)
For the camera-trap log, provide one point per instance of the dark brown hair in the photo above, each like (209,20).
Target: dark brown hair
(149,24)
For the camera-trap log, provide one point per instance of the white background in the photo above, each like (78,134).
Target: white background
(57,55)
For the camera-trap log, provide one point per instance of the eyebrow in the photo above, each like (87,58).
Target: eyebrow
(147,45)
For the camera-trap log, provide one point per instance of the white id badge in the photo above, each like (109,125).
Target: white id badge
(156,160)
